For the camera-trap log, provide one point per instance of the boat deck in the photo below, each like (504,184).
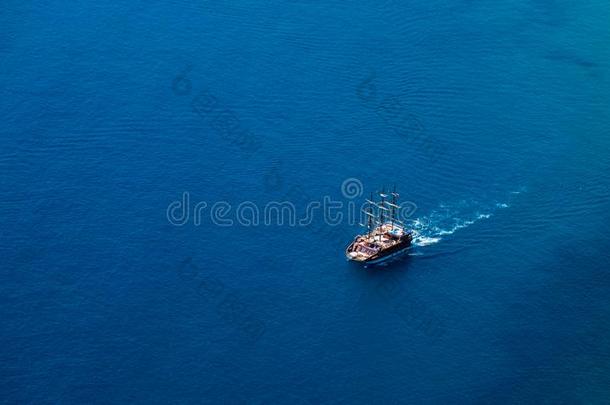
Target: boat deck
(367,246)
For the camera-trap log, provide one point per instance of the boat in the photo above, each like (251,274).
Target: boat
(387,236)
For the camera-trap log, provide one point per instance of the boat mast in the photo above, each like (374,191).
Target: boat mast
(393,205)
(382,206)
(370,216)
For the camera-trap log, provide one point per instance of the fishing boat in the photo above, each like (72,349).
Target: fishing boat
(387,236)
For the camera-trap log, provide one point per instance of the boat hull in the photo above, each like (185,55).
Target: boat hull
(385,255)
(390,253)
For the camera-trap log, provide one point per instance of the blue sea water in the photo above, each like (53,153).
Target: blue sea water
(492,118)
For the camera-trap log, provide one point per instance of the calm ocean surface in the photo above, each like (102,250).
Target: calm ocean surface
(492,118)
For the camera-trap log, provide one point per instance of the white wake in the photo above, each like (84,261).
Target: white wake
(448,219)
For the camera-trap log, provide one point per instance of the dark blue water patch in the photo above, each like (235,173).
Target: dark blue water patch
(491,120)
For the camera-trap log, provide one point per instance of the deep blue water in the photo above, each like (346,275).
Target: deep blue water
(492,118)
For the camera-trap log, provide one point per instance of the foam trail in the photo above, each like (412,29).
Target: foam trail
(420,240)
(448,219)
